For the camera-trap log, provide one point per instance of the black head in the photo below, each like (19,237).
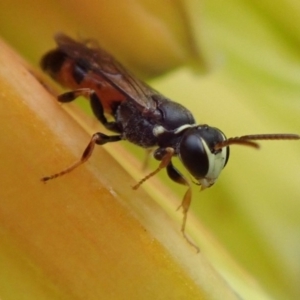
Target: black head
(198,154)
(204,150)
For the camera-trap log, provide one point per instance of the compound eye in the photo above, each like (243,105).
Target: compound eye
(193,155)
(197,153)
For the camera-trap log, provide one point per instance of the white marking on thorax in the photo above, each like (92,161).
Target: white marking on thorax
(158,130)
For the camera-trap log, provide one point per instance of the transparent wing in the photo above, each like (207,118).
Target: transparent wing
(101,62)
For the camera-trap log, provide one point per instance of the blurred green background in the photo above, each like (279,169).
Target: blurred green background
(236,66)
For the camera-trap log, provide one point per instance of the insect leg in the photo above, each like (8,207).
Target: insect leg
(72,95)
(146,159)
(97,139)
(176,176)
(165,155)
(165,160)
(95,102)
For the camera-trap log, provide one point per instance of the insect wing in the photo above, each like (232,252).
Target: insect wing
(101,62)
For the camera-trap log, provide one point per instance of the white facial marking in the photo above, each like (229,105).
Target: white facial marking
(216,163)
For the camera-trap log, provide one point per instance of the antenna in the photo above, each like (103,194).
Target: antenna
(247,140)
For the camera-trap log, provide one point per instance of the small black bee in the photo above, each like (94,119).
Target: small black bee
(142,116)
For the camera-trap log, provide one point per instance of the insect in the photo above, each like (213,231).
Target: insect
(142,116)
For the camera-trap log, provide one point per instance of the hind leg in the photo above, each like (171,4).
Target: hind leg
(95,102)
(97,139)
